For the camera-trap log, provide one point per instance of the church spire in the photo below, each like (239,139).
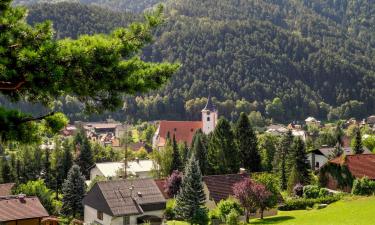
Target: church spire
(209,105)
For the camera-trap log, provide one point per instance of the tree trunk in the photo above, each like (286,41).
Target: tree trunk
(247,216)
(261,213)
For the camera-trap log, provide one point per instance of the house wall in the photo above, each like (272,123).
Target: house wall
(95,172)
(333,184)
(318,158)
(24,222)
(155,138)
(90,215)
(144,174)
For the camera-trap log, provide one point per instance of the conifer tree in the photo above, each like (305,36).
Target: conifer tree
(47,169)
(191,197)
(67,160)
(85,159)
(6,171)
(73,192)
(222,151)
(358,147)
(176,159)
(200,152)
(247,144)
(184,152)
(283,158)
(300,166)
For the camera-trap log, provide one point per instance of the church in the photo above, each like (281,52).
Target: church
(185,130)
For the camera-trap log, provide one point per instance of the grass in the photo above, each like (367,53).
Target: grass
(349,211)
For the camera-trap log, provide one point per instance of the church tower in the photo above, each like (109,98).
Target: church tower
(209,117)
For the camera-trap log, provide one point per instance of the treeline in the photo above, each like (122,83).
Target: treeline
(286,59)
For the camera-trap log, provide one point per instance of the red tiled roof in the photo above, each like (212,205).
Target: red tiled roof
(183,130)
(359,165)
(15,208)
(221,186)
(161,185)
(6,189)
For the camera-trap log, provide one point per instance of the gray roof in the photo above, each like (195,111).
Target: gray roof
(328,151)
(116,199)
(209,105)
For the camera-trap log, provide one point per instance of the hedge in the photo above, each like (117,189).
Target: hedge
(303,203)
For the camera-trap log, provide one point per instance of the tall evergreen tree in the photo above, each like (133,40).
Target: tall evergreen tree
(300,166)
(247,144)
(73,192)
(184,152)
(85,159)
(222,151)
(282,159)
(67,160)
(176,159)
(358,147)
(6,171)
(47,169)
(191,197)
(200,152)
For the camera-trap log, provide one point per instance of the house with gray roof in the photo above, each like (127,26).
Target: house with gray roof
(124,202)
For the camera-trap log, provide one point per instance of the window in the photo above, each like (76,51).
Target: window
(126,220)
(317,165)
(99,215)
(208,118)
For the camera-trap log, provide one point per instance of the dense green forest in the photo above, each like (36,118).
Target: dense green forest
(286,59)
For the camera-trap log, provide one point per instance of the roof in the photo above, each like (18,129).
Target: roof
(101,125)
(6,189)
(18,208)
(371,119)
(328,151)
(116,198)
(183,130)
(358,165)
(161,185)
(311,119)
(109,169)
(221,186)
(209,105)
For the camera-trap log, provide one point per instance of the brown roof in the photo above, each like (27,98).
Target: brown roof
(358,165)
(161,185)
(221,186)
(6,189)
(116,199)
(17,208)
(183,130)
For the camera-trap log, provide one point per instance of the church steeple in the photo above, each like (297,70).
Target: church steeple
(209,105)
(209,116)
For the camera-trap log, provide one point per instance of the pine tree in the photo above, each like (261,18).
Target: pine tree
(358,147)
(47,169)
(176,159)
(6,171)
(67,160)
(301,168)
(85,158)
(200,152)
(73,192)
(283,158)
(247,144)
(191,197)
(184,152)
(222,151)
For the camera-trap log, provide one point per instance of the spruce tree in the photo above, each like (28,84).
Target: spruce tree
(6,171)
(247,144)
(184,152)
(358,147)
(73,192)
(85,158)
(47,169)
(176,159)
(200,152)
(283,158)
(222,151)
(300,168)
(67,160)
(191,197)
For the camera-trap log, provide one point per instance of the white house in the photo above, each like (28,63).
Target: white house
(137,168)
(184,131)
(312,121)
(124,202)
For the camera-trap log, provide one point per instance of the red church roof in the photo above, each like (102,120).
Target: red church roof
(183,130)
(359,165)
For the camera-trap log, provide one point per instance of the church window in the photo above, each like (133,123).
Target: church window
(208,118)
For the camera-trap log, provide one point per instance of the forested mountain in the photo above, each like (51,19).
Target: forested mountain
(135,6)
(287,59)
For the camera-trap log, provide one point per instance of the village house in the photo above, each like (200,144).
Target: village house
(185,130)
(348,167)
(311,121)
(21,210)
(136,168)
(125,202)
(371,120)
(319,157)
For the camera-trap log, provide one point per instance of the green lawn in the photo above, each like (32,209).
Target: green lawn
(350,211)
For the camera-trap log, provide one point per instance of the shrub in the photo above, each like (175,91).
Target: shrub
(323,192)
(169,212)
(303,203)
(311,191)
(363,186)
(298,190)
(200,217)
(232,217)
(227,206)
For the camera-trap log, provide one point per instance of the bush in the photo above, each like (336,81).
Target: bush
(298,190)
(169,212)
(311,191)
(232,217)
(200,217)
(225,207)
(363,186)
(323,192)
(303,203)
